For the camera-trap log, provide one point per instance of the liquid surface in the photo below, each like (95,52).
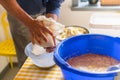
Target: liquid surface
(92,62)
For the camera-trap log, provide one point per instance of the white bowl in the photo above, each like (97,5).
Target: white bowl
(43,60)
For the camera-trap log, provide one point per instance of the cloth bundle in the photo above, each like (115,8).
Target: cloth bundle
(52,25)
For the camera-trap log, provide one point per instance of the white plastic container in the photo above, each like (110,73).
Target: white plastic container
(43,60)
(105,23)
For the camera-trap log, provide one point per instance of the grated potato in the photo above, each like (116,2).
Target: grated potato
(71,31)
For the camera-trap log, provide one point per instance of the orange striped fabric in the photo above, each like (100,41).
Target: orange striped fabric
(31,72)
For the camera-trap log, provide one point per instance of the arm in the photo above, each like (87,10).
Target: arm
(13,7)
(36,29)
(53,10)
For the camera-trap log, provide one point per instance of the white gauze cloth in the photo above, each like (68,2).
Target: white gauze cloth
(55,27)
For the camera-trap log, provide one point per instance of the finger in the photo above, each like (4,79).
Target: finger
(45,28)
(48,31)
(42,23)
(39,21)
(40,34)
(53,37)
(37,38)
(32,37)
(49,50)
(32,40)
(44,37)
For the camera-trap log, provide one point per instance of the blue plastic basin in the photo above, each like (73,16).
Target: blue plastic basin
(89,43)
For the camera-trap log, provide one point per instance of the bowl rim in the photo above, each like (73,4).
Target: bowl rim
(28,53)
(61,62)
(87,31)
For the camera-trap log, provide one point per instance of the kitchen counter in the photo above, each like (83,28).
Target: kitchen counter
(31,72)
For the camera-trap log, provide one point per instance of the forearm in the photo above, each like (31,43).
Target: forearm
(13,8)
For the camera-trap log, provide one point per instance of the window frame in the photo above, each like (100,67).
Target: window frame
(78,5)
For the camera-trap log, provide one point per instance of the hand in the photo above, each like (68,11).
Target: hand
(54,16)
(50,49)
(38,32)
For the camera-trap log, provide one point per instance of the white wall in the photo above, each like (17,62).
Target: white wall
(68,17)
(3,60)
(2,36)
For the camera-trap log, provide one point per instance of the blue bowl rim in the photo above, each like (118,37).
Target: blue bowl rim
(62,64)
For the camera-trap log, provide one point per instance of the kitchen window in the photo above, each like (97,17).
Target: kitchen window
(83,5)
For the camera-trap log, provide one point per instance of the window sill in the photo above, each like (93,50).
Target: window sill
(85,6)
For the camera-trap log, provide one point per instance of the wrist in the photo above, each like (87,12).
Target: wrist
(29,22)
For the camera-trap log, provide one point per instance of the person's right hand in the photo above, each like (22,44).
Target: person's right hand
(38,32)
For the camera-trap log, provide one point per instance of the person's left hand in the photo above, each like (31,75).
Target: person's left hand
(55,17)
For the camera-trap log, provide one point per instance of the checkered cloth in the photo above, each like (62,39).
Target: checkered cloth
(31,72)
